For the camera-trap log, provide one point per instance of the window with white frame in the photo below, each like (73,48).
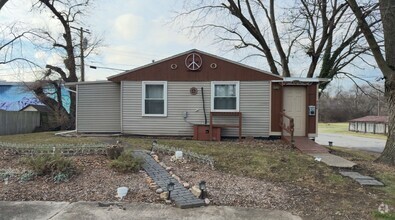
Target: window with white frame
(154,98)
(225,96)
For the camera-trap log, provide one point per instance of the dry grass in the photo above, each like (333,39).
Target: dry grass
(342,128)
(366,164)
(45,138)
(269,160)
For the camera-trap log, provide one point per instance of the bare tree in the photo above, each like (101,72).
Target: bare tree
(48,88)
(2,3)
(323,31)
(385,63)
(344,105)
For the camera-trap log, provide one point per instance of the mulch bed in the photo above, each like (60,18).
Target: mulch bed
(97,182)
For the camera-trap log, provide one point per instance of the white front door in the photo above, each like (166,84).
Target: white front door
(294,103)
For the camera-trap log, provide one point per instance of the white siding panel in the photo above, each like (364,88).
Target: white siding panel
(380,128)
(254,104)
(98,107)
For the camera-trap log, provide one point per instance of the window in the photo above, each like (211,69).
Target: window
(154,100)
(225,96)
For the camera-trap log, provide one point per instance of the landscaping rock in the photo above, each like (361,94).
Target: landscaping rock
(168,201)
(148,180)
(169,168)
(156,158)
(164,195)
(186,185)
(162,164)
(207,201)
(159,191)
(196,191)
(153,186)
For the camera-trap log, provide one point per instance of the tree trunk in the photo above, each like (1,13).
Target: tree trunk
(388,155)
(2,3)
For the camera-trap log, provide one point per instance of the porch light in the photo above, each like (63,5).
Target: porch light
(170,187)
(202,187)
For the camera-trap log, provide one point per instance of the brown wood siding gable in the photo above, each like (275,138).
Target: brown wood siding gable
(212,69)
(277,106)
(311,100)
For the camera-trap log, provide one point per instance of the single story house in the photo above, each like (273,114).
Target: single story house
(369,124)
(170,97)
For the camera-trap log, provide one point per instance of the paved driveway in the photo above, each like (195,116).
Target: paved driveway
(342,140)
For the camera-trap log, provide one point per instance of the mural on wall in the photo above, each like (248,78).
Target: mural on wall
(15,96)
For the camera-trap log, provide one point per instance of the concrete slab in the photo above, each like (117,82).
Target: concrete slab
(369,182)
(30,210)
(362,179)
(91,210)
(354,175)
(333,160)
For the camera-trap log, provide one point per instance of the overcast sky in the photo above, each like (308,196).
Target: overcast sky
(134,34)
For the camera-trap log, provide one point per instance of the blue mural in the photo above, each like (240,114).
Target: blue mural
(15,96)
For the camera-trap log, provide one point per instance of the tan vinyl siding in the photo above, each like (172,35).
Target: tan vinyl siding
(98,107)
(179,100)
(254,103)
(255,106)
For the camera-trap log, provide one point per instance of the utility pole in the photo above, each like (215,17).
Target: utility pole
(83,46)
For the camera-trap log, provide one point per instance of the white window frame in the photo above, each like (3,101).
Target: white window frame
(214,83)
(143,86)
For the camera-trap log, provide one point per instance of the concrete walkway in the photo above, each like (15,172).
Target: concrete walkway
(309,147)
(333,160)
(91,210)
(348,141)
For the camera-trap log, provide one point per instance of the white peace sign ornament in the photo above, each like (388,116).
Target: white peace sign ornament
(193,61)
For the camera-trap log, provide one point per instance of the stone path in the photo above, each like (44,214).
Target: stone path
(361,179)
(182,197)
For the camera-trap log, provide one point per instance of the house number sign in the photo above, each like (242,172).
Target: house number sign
(193,61)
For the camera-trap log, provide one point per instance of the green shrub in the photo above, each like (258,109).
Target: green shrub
(126,163)
(5,174)
(61,177)
(27,176)
(51,165)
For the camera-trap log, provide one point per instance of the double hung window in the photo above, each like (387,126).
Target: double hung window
(154,100)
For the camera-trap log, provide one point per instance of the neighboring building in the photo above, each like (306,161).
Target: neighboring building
(47,117)
(169,97)
(369,124)
(15,96)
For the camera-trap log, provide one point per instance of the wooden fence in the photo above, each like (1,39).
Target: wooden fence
(18,122)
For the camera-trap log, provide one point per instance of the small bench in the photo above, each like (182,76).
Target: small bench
(227,114)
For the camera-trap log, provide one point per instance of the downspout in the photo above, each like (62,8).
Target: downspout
(65,132)
(204,108)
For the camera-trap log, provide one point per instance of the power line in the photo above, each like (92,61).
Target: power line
(103,67)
